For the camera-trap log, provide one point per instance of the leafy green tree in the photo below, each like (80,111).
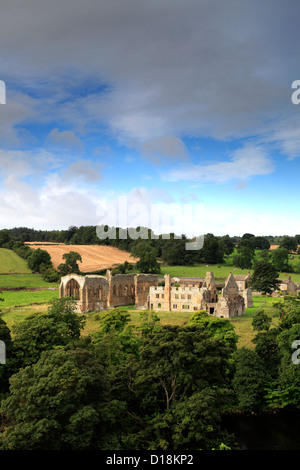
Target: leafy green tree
(39,258)
(193,423)
(262,243)
(280,259)
(115,338)
(7,369)
(284,391)
(249,240)
(41,332)
(147,263)
(264,255)
(250,380)
(149,322)
(290,243)
(226,245)
(265,277)
(211,252)
(59,403)
(4,237)
(244,258)
(71,263)
(177,367)
(266,343)
(219,328)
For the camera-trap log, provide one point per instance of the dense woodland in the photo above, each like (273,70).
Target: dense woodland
(148,387)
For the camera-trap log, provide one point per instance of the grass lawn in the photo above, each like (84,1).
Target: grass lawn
(13,315)
(10,262)
(242,324)
(24,280)
(219,270)
(166,318)
(27,297)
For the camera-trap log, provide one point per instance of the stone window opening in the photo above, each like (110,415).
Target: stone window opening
(73,289)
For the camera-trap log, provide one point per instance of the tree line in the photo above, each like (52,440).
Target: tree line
(244,250)
(143,386)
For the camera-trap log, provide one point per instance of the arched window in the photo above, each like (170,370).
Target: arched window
(73,289)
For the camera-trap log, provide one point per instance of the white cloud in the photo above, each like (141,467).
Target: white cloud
(245,163)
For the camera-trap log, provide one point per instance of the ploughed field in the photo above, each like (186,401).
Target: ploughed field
(94,257)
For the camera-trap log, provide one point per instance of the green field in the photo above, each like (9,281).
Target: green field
(24,280)
(242,324)
(10,262)
(19,276)
(27,297)
(220,271)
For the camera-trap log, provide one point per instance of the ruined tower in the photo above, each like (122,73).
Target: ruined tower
(231,303)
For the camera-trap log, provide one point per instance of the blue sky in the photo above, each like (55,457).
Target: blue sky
(167,105)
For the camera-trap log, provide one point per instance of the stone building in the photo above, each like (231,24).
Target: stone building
(191,298)
(247,295)
(287,286)
(231,303)
(242,281)
(93,292)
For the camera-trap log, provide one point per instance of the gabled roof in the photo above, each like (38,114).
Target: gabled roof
(231,286)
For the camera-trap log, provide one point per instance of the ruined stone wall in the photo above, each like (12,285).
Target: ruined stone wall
(181,299)
(96,290)
(94,293)
(230,307)
(142,284)
(247,296)
(90,292)
(121,290)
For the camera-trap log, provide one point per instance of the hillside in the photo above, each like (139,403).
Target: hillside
(10,263)
(94,257)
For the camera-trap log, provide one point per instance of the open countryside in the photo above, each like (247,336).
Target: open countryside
(94,257)
(25,293)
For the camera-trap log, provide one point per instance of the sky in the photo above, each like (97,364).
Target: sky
(173,114)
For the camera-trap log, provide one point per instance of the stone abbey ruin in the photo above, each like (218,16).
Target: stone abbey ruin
(95,293)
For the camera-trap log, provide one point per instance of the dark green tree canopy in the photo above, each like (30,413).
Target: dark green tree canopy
(71,263)
(59,403)
(39,258)
(265,277)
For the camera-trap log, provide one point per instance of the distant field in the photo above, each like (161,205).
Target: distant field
(219,270)
(94,257)
(27,297)
(10,262)
(24,280)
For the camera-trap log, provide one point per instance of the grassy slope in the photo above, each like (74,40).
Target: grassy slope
(29,281)
(242,324)
(10,262)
